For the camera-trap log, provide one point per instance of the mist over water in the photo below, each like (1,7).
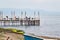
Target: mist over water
(49,25)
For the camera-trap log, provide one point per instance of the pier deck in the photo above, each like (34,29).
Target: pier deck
(21,22)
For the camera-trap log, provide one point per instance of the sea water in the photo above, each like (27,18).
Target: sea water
(49,26)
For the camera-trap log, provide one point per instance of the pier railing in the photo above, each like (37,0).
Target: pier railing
(14,21)
(19,22)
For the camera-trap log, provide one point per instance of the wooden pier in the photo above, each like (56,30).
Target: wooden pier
(21,22)
(26,21)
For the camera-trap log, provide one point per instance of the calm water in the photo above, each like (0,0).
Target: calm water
(50,26)
(40,30)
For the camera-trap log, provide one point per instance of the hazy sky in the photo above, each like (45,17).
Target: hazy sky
(51,5)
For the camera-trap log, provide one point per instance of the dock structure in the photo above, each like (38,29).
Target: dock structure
(26,21)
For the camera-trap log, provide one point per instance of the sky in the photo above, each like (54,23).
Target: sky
(45,6)
(51,5)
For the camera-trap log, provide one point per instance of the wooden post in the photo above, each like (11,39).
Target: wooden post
(38,18)
(34,19)
(21,22)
